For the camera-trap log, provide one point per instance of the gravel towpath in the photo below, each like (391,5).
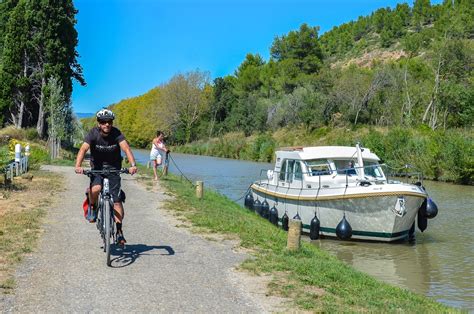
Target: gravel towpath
(163,268)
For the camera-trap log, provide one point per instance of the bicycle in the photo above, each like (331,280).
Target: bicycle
(105,213)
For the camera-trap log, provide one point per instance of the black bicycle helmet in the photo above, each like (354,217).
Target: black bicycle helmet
(105,114)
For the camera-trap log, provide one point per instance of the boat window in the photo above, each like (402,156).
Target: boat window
(286,170)
(298,171)
(289,167)
(283,170)
(345,166)
(372,168)
(318,167)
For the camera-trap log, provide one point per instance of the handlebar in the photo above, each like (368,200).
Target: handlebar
(104,171)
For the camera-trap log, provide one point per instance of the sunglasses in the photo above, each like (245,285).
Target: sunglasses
(106,122)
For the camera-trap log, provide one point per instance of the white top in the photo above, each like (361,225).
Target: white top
(156,149)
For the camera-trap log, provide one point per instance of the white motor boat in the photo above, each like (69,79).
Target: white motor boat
(340,191)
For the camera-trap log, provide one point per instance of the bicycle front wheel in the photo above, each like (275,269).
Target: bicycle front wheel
(108,232)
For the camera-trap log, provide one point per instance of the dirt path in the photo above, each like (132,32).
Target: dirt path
(162,268)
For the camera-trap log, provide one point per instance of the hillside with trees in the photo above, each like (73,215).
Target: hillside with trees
(403,71)
(419,73)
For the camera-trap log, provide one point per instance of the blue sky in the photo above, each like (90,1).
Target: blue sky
(127,47)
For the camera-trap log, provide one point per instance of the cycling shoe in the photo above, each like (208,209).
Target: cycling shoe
(121,239)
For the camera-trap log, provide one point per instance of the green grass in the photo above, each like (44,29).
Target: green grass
(21,215)
(313,278)
(18,234)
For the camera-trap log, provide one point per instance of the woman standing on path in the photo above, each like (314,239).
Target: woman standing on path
(157,149)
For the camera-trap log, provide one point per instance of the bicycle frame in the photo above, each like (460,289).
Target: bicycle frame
(105,197)
(105,215)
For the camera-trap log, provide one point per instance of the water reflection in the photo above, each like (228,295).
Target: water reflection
(404,265)
(230,177)
(440,264)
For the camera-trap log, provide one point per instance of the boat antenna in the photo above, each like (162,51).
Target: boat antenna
(344,196)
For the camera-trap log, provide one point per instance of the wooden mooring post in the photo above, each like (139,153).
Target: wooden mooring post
(199,189)
(294,235)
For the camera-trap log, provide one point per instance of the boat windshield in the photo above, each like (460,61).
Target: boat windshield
(372,168)
(345,166)
(318,167)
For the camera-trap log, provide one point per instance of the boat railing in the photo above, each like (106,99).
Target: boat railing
(407,173)
(286,183)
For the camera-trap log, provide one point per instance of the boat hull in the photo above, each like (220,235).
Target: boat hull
(373,212)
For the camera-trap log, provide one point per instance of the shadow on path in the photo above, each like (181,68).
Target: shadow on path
(128,255)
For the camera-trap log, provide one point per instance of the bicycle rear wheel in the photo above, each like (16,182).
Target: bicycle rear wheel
(108,228)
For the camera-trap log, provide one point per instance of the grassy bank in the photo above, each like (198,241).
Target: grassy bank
(23,203)
(440,155)
(22,207)
(313,278)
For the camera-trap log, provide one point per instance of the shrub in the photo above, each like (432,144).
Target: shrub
(38,156)
(13,132)
(31,134)
(4,156)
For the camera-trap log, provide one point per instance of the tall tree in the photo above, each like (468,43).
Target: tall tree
(54,39)
(298,54)
(40,43)
(248,74)
(422,13)
(6,8)
(16,72)
(223,101)
(58,112)
(186,98)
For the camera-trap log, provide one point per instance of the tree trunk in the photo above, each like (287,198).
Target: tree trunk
(20,114)
(408,103)
(14,119)
(58,147)
(431,105)
(41,110)
(21,95)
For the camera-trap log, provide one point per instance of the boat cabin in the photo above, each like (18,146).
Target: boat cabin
(327,165)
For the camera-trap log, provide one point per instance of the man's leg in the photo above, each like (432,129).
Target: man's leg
(93,197)
(119,212)
(115,188)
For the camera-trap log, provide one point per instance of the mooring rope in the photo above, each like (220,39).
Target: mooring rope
(182,174)
(244,195)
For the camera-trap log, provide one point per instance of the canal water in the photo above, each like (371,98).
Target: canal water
(439,265)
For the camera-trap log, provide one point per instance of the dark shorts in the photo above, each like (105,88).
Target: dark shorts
(114,185)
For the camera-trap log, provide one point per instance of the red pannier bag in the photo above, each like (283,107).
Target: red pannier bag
(85,204)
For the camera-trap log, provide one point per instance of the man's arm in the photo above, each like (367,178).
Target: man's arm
(126,148)
(80,157)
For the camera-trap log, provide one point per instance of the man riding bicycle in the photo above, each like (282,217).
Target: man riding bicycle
(105,143)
